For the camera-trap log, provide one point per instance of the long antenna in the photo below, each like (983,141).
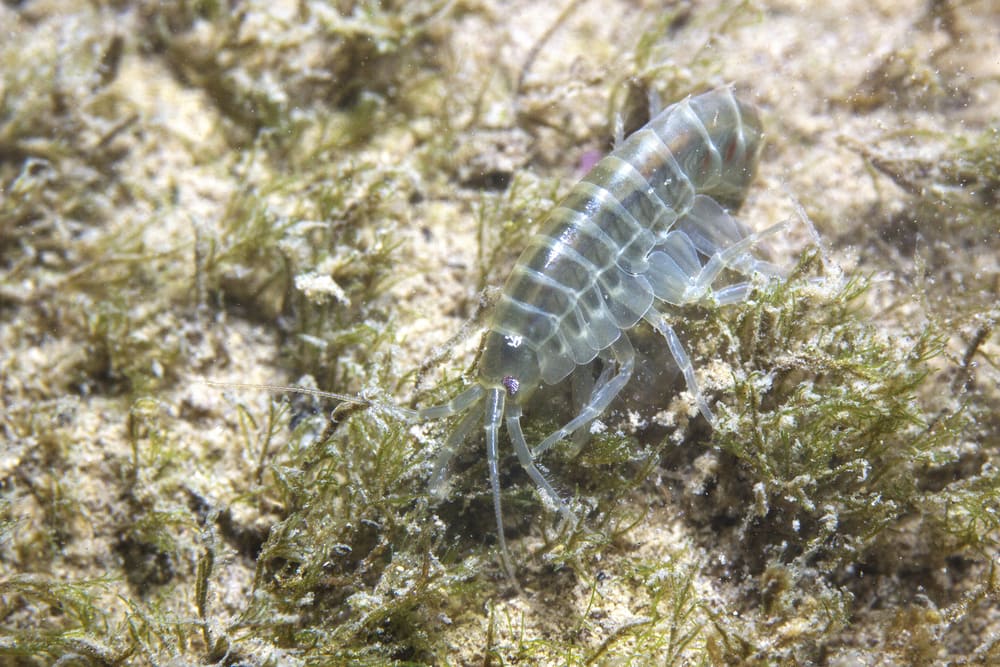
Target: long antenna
(344,398)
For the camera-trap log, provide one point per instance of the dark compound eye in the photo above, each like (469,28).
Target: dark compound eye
(511,384)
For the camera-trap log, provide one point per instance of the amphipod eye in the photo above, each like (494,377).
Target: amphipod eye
(511,384)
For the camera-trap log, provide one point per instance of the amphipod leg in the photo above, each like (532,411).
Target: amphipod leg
(584,386)
(461,403)
(455,438)
(494,413)
(524,456)
(655,318)
(726,242)
(603,394)
(677,276)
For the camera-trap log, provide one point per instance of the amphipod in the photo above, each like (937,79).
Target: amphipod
(645,230)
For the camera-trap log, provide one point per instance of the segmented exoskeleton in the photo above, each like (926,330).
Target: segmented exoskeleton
(647,226)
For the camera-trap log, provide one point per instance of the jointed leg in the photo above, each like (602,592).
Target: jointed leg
(603,394)
(461,403)
(524,456)
(725,241)
(447,452)
(655,318)
(676,272)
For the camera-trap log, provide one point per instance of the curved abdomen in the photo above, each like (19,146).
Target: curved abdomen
(580,282)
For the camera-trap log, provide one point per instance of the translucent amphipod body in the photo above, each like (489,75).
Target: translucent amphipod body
(646,229)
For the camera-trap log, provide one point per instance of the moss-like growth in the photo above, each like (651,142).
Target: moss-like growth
(915,75)
(955,189)
(657,66)
(836,455)
(81,633)
(829,428)
(267,70)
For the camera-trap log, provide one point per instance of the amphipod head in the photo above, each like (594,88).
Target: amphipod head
(509,363)
(508,371)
